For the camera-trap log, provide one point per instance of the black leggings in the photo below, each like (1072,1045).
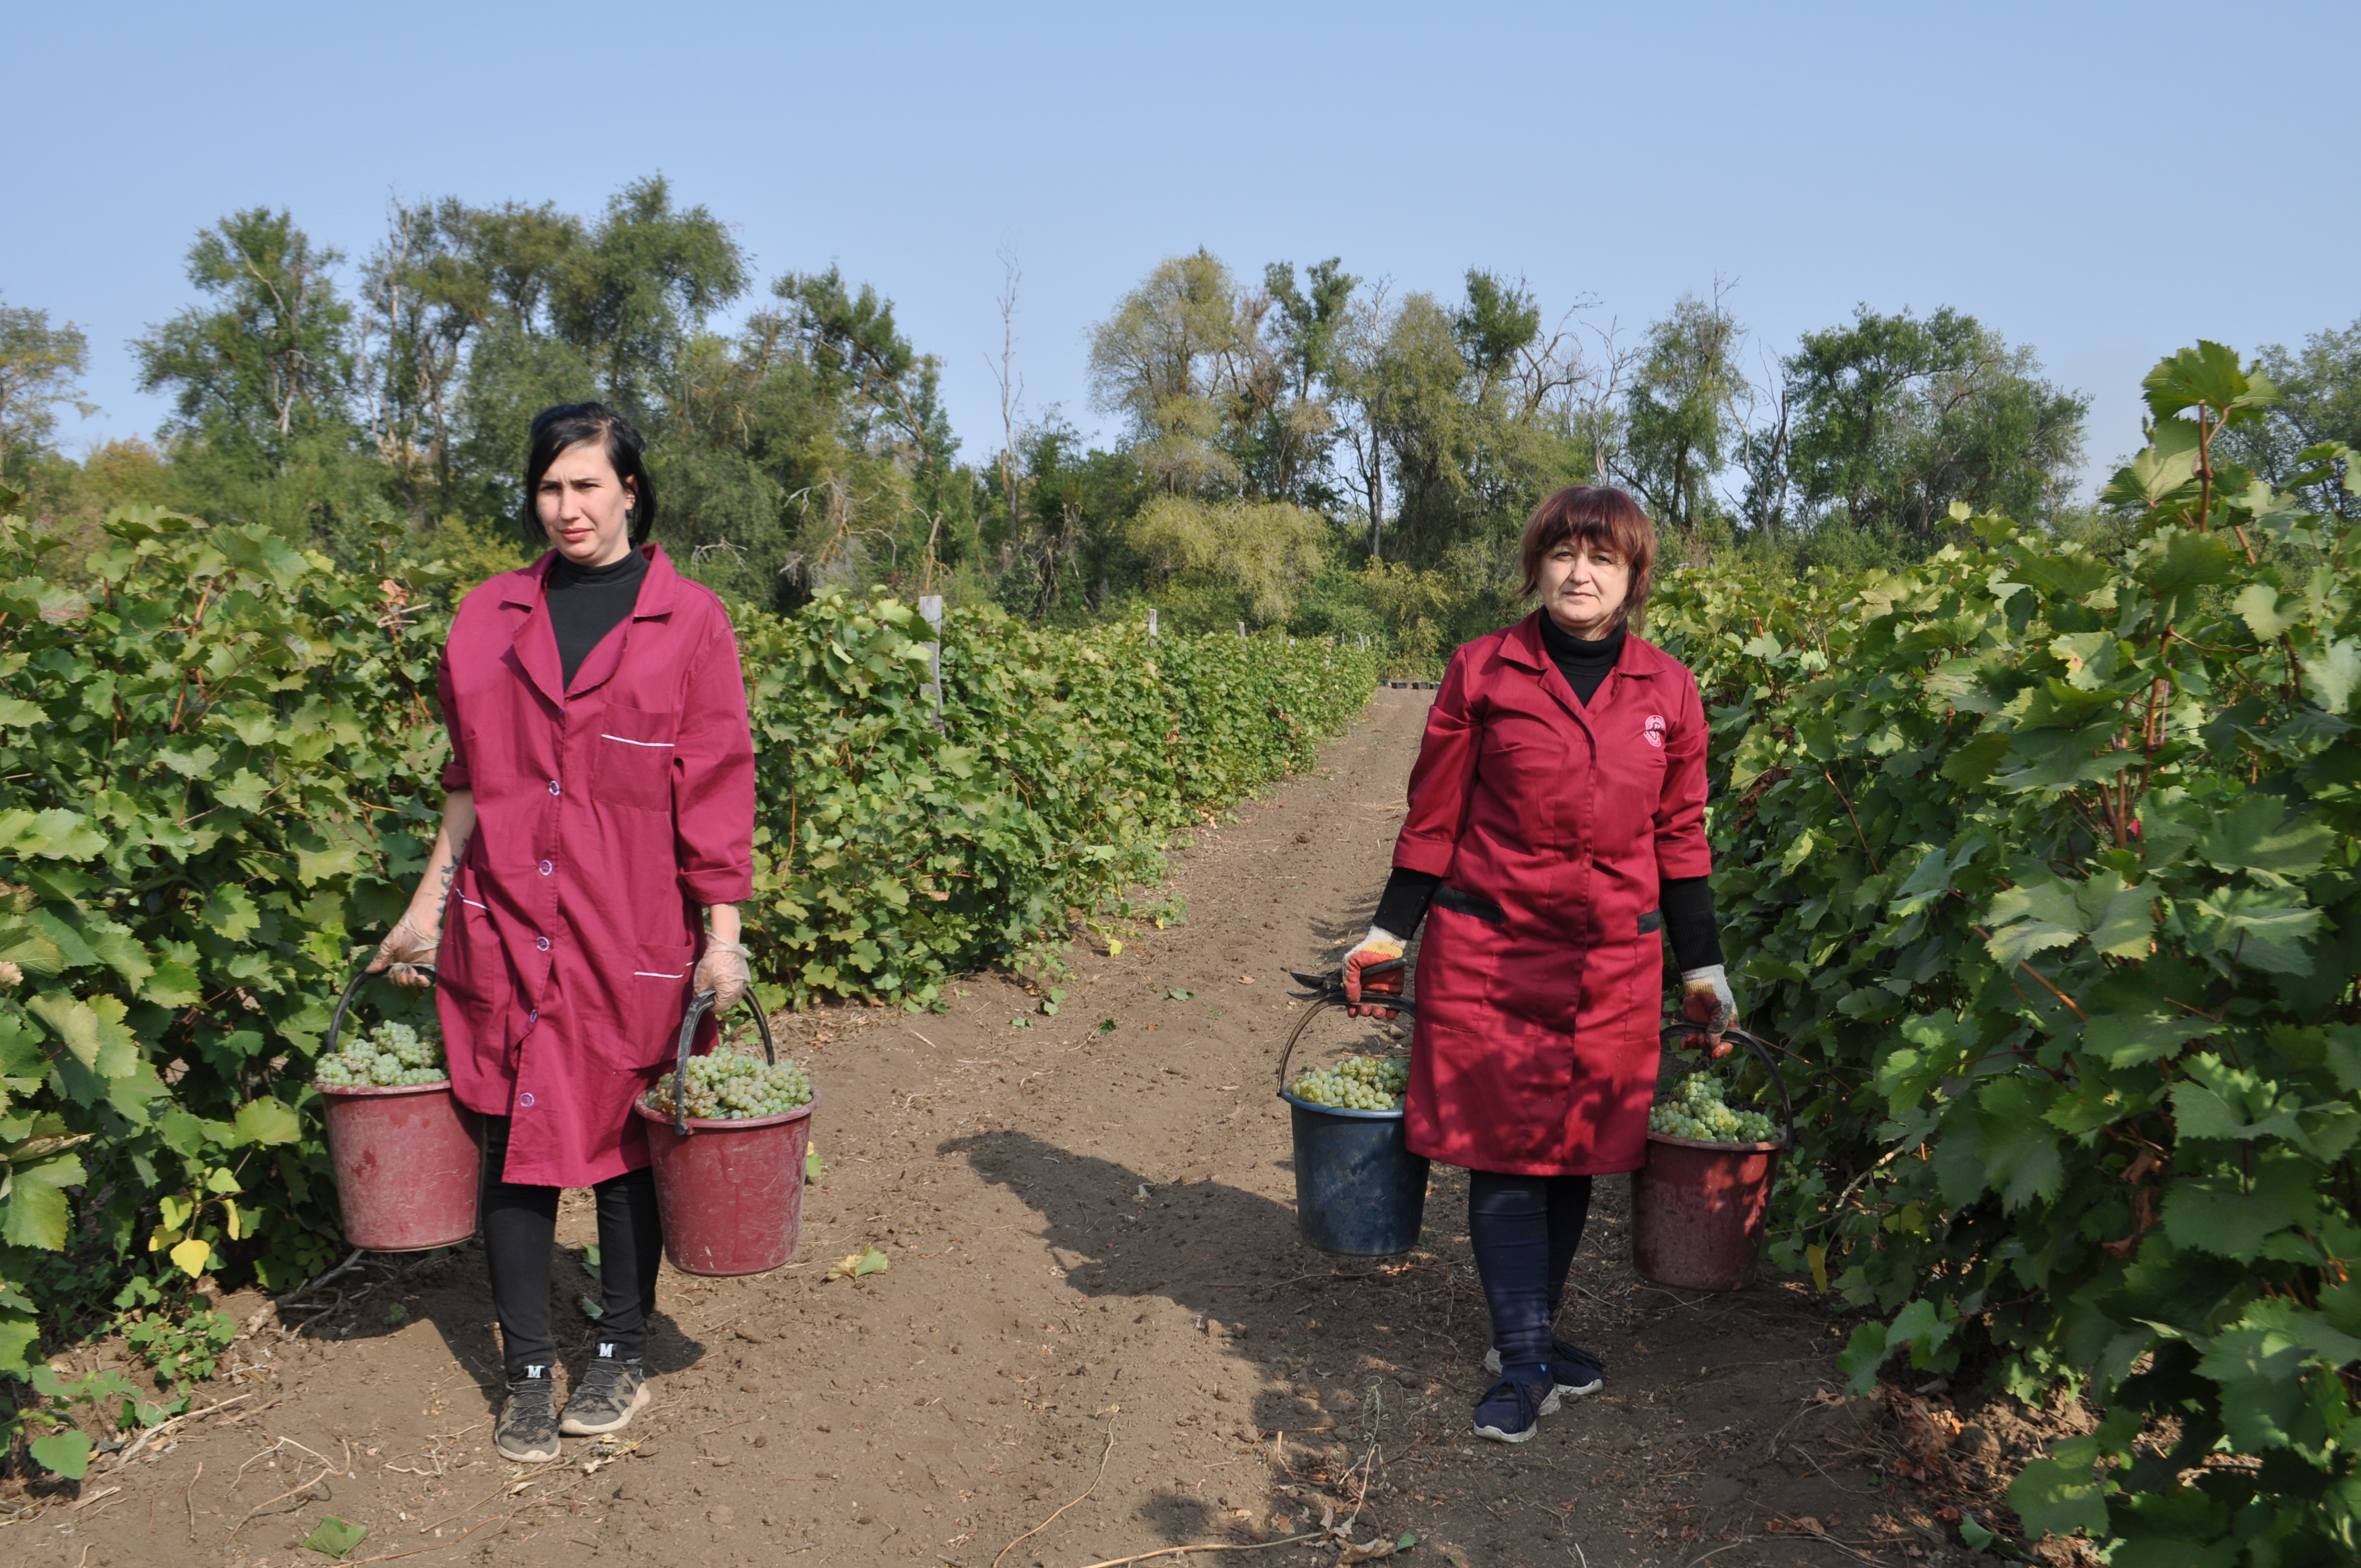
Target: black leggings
(520,1233)
(1524,1229)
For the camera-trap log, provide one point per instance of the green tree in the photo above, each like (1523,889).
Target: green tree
(2320,400)
(1894,418)
(1680,413)
(648,278)
(40,366)
(264,364)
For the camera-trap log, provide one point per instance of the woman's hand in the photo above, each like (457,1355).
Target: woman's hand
(726,969)
(405,950)
(1706,1000)
(1379,947)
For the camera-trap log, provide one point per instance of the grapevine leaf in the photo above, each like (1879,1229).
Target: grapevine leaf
(65,1452)
(2030,918)
(2256,836)
(267,1121)
(2018,1146)
(2231,1217)
(335,1538)
(193,1256)
(2258,604)
(2051,1498)
(2259,1361)
(2332,673)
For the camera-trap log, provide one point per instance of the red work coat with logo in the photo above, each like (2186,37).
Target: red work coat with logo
(1540,979)
(607,810)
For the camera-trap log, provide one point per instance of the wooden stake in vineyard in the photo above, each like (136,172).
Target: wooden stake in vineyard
(1151,626)
(931,606)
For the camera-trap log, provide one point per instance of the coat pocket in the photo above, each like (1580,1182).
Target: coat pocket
(470,967)
(655,999)
(631,759)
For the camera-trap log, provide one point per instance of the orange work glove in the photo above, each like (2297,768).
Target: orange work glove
(1706,1000)
(1377,948)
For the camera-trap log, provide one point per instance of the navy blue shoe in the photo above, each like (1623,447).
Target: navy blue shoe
(1513,1406)
(1576,1370)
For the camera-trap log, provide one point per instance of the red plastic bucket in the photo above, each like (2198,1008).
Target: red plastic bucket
(1697,1208)
(731,1193)
(408,1158)
(408,1165)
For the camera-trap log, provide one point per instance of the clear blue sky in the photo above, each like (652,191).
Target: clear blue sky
(2106,183)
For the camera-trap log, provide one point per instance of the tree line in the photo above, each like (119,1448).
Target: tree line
(1310,447)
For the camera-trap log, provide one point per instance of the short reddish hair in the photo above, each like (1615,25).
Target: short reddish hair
(1594,515)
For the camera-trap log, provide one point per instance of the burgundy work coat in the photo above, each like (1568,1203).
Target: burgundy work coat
(1540,979)
(607,810)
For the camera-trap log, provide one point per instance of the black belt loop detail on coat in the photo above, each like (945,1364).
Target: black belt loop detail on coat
(1483,909)
(1651,922)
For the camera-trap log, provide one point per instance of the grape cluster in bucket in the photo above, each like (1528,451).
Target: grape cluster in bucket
(1356,1083)
(388,1055)
(1694,1110)
(723,1088)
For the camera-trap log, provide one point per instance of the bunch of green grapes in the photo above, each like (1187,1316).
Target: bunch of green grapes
(1695,1110)
(1356,1083)
(724,1088)
(387,1055)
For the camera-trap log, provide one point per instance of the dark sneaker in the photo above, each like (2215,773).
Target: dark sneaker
(1513,1406)
(609,1396)
(1576,1370)
(527,1432)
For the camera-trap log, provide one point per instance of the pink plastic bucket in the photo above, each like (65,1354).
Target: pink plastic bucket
(1697,1208)
(408,1165)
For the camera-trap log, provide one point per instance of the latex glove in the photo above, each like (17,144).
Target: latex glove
(725,970)
(1706,999)
(1380,946)
(404,946)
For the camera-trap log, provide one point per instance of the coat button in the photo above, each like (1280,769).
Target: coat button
(542,942)
(533,1016)
(547,867)
(552,787)
(525,1098)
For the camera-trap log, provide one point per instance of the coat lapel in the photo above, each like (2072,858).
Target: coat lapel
(1524,647)
(658,590)
(534,650)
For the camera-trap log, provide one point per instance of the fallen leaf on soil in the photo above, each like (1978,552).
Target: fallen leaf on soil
(853,1265)
(335,1538)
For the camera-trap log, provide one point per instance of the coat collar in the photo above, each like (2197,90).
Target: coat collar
(1522,645)
(535,645)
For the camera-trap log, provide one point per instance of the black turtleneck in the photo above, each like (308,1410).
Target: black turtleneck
(1585,664)
(586,603)
(1686,902)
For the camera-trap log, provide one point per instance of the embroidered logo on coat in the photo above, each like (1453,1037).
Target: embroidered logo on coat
(1653,730)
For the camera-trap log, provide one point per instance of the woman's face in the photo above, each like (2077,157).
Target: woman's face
(1583,587)
(583,507)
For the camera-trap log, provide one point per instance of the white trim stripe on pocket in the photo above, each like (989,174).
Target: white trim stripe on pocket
(465,899)
(654,974)
(627,741)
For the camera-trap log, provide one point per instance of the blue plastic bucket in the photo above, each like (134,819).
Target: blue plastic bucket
(1359,1190)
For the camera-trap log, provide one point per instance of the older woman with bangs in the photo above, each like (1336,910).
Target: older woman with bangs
(1557,826)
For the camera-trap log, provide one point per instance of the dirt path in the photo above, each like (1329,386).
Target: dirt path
(1096,1291)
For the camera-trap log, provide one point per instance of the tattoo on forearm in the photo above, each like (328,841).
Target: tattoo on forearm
(450,872)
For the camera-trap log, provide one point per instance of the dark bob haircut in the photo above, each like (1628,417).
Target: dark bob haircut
(1602,518)
(555,430)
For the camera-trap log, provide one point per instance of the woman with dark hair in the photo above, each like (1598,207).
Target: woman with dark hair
(1557,825)
(600,793)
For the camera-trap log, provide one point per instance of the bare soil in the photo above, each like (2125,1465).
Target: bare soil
(1099,1335)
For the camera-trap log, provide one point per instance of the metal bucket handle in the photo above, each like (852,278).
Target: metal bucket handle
(1761,1053)
(698,1006)
(1334,996)
(353,989)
